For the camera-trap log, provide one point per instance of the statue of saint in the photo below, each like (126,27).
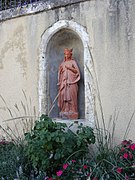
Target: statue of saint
(68,77)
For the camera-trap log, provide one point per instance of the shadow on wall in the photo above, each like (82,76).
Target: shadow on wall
(64,38)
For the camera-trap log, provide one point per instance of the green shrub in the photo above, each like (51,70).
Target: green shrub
(7,159)
(13,161)
(50,144)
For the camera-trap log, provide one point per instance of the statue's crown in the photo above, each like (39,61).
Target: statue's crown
(66,51)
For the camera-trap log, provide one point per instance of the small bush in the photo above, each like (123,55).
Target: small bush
(14,164)
(8,159)
(11,159)
(50,144)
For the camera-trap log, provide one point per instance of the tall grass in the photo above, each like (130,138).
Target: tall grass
(22,118)
(106,154)
(105,134)
(14,163)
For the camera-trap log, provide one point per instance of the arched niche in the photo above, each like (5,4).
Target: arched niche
(64,38)
(81,45)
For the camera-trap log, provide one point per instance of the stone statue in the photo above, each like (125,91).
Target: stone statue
(68,77)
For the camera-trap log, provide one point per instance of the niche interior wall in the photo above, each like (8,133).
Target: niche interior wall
(64,38)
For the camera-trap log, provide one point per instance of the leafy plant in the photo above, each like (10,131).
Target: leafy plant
(14,164)
(126,159)
(74,169)
(12,159)
(50,144)
(116,164)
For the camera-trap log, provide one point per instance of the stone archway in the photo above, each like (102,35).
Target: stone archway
(80,31)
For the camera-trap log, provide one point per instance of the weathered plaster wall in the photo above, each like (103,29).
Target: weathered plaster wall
(111,28)
(114,36)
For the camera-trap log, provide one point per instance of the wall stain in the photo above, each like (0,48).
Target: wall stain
(3,108)
(16,43)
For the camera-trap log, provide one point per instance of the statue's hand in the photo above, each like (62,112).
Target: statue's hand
(68,83)
(66,67)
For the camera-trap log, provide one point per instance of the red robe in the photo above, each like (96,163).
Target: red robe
(68,76)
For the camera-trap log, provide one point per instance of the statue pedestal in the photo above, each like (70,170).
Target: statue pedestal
(69,115)
(73,123)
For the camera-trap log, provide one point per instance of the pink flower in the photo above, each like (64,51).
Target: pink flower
(59,173)
(119,170)
(125,155)
(121,157)
(50,179)
(65,166)
(125,142)
(127,178)
(130,155)
(4,142)
(132,147)
(73,160)
(122,149)
(85,167)
(95,178)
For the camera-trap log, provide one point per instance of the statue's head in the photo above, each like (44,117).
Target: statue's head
(68,53)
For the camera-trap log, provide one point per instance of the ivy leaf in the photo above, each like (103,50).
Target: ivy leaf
(49,138)
(62,139)
(57,139)
(57,156)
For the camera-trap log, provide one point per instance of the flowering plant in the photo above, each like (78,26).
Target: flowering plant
(126,159)
(117,163)
(73,169)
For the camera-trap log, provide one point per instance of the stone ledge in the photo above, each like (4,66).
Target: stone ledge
(75,122)
(36,8)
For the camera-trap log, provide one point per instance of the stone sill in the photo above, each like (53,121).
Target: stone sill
(75,122)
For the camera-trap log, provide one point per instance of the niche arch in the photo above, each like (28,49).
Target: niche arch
(77,32)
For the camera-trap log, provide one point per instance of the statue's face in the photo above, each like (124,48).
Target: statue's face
(68,55)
